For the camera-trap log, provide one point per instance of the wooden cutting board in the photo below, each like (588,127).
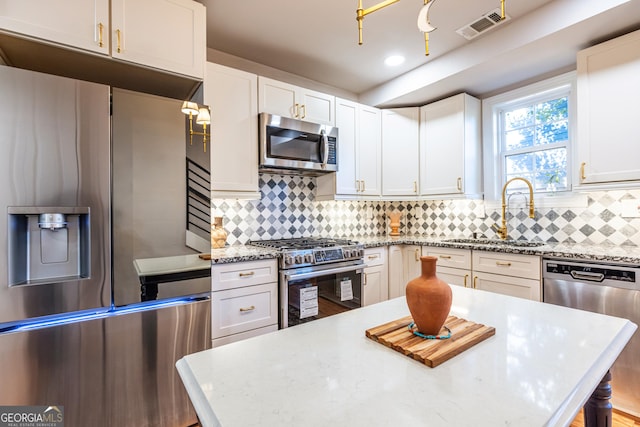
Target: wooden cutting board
(464,334)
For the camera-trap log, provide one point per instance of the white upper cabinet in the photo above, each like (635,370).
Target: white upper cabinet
(359,151)
(287,100)
(450,160)
(82,24)
(165,34)
(608,92)
(400,161)
(232,96)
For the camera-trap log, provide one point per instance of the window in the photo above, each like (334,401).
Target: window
(528,134)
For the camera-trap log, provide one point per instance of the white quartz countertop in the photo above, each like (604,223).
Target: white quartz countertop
(170,265)
(538,370)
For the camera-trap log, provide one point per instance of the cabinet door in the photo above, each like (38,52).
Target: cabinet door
(80,23)
(369,150)
(165,34)
(233,98)
(507,285)
(277,98)
(396,272)
(400,152)
(375,285)
(316,107)
(442,147)
(347,123)
(242,309)
(411,262)
(455,276)
(608,93)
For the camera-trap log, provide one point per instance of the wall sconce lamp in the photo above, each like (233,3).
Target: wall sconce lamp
(423,18)
(203,118)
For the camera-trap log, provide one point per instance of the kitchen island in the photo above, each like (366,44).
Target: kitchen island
(539,369)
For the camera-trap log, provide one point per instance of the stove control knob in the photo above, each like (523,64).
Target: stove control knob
(358,252)
(288,260)
(308,258)
(298,259)
(347,253)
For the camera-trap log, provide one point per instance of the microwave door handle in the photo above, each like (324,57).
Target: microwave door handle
(324,150)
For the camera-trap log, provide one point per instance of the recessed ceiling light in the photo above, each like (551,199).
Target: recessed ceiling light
(394,60)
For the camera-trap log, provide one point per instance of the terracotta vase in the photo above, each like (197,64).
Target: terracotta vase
(429,298)
(218,235)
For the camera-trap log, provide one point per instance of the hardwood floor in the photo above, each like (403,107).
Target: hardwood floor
(620,419)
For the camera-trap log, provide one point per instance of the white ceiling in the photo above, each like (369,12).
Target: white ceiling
(318,41)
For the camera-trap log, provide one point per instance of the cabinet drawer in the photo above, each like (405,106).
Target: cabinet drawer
(506,285)
(449,257)
(239,274)
(240,310)
(375,256)
(243,335)
(527,266)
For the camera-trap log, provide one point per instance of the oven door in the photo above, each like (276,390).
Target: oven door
(312,293)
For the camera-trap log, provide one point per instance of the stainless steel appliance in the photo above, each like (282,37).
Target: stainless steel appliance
(74,328)
(319,277)
(608,289)
(297,146)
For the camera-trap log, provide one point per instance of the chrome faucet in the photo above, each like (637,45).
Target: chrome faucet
(502,231)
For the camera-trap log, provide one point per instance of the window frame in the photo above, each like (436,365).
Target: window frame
(492,108)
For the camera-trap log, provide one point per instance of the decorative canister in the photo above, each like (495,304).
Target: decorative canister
(394,223)
(429,298)
(218,235)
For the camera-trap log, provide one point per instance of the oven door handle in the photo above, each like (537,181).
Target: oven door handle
(324,149)
(319,273)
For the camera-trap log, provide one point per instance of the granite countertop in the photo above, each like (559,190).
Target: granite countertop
(538,370)
(603,253)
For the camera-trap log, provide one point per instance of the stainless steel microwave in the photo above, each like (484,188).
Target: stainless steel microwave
(293,146)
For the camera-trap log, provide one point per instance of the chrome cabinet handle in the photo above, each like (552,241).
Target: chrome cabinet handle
(249,274)
(245,309)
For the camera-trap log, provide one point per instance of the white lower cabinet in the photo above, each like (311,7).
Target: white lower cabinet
(376,280)
(244,300)
(404,265)
(453,266)
(510,274)
(504,273)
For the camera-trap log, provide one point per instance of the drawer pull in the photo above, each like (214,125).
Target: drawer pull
(372,256)
(503,264)
(445,256)
(249,274)
(245,309)
(475,282)
(466,276)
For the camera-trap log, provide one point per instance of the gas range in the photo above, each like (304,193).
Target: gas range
(312,251)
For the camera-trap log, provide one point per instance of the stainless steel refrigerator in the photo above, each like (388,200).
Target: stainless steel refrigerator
(77,210)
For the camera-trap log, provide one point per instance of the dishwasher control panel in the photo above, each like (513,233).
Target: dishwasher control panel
(591,272)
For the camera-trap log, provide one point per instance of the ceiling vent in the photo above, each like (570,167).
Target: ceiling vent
(485,23)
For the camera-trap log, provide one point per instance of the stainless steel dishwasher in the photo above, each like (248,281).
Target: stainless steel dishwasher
(608,289)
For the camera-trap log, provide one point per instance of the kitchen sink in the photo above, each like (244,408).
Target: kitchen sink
(509,242)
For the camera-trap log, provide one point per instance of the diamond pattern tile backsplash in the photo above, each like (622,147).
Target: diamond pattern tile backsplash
(288,208)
